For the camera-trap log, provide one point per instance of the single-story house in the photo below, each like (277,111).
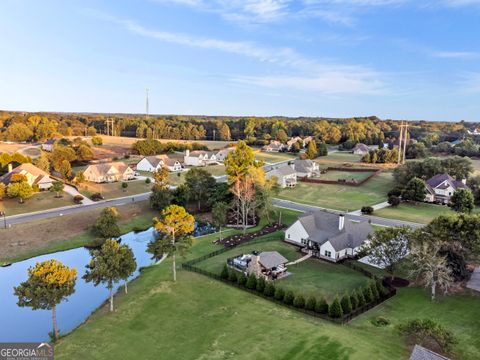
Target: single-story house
(361,149)
(421,353)
(306,168)
(33,174)
(441,187)
(286,176)
(154,163)
(222,154)
(48,145)
(109,172)
(199,158)
(274,146)
(328,236)
(294,140)
(270,265)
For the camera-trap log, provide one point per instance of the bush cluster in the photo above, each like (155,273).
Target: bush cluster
(339,307)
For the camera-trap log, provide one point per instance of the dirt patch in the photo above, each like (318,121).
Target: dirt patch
(40,233)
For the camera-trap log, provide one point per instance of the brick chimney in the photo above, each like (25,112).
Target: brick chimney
(10,167)
(341,222)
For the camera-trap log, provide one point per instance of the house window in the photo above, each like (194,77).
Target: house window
(289,235)
(304,241)
(328,253)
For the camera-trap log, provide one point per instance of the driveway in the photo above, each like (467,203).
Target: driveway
(74,192)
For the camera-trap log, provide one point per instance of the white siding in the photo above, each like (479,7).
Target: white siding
(145,165)
(328,247)
(296,233)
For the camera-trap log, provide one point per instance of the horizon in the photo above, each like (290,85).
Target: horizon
(306,58)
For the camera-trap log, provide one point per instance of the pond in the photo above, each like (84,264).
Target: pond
(26,325)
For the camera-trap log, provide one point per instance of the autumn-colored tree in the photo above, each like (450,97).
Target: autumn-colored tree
(243,190)
(175,225)
(2,190)
(43,162)
(22,190)
(239,161)
(49,282)
(84,153)
(200,185)
(107,266)
(161,177)
(60,154)
(16,178)
(311,152)
(80,177)
(224,132)
(65,169)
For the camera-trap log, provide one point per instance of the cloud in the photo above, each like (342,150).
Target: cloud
(461,55)
(297,71)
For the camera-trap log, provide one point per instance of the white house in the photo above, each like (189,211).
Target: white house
(48,145)
(222,154)
(199,158)
(286,176)
(109,172)
(361,149)
(306,168)
(274,146)
(294,140)
(33,174)
(327,235)
(441,187)
(154,163)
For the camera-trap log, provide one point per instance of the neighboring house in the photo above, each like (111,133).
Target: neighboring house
(109,172)
(286,176)
(441,187)
(474,132)
(199,158)
(307,140)
(268,264)
(48,145)
(455,142)
(306,168)
(361,149)
(421,353)
(328,236)
(154,163)
(34,175)
(222,154)
(274,146)
(294,140)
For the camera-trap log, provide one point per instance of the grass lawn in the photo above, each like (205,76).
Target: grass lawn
(347,175)
(114,190)
(310,277)
(338,158)
(200,318)
(273,157)
(420,213)
(39,201)
(215,170)
(341,197)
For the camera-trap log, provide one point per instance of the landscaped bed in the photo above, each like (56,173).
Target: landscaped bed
(341,197)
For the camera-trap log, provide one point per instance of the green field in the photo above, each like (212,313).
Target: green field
(335,175)
(338,159)
(201,318)
(115,190)
(39,201)
(273,157)
(310,277)
(341,197)
(419,212)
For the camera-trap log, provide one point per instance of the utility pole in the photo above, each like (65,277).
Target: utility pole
(146,103)
(405,135)
(214,134)
(400,144)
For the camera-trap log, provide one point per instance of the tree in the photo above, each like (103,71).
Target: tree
(48,284)
(299,301)
(129,265)
(106,266)
(354,300)
(21,190)
(224,132)
(367,294)
(279,294)
(200,184)
(269,289)
(180,195)
(387,247)
(161,177)
(265,192)
(430,267)
(335,309)
(415,190)
(251,282)
(393,200)
(97,140)
(427,332)
(219,216)
(106,226)
(43,162)
(239,161)
(462,201)
(60,154)
(261,283)
(124,186)
(160,197)
(346,304)
(322,149)
(79,177)
(311,303)
(84,152)
(18,132)
(65,169)
(321,307)
(57,187)
(311,152)
(289,297)
(175,224)
(2,191)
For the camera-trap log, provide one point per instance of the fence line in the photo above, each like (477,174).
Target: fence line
(374,172)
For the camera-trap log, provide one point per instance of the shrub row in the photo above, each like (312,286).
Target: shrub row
(371,292)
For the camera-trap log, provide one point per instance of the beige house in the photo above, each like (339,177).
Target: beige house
(361,149)
(156,162)
(306,168)
(286,176)
(109,172)
(34,176)
(441,187)
(199,158)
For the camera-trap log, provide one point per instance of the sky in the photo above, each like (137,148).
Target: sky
(398,59)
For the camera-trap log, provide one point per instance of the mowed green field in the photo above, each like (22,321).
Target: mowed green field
(310,277)
(341,197)
(335,175)
(39,201)
(338,159)
(419,212)
(115,190)
(273,157)
(201,318)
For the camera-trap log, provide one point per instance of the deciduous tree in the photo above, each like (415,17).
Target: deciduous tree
(462,201)
(106,226)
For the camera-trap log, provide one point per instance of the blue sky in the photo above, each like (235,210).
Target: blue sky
(414,59)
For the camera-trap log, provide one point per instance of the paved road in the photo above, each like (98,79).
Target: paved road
(375,220)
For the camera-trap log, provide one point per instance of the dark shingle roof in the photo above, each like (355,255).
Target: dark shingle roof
(303,166)
(322,226)
(437,180)
(421,353)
